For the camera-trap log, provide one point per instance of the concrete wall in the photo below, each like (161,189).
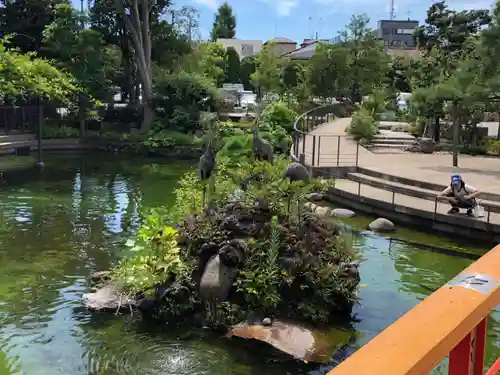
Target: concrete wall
(244,48)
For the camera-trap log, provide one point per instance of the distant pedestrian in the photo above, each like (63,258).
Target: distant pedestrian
(459,195)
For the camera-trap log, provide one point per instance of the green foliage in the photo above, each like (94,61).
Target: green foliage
(248,67)
(493,147)
(208,60)
(177,101)
(362,125)
(166,138)
(224,24)
(268,70)
(25,75)
(156,257)
(61,131)
(279,114)
(232,67)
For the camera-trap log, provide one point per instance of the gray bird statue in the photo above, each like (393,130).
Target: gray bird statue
(207,161)
(296,172)
(261,148)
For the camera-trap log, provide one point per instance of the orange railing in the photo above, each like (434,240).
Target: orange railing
(450,321)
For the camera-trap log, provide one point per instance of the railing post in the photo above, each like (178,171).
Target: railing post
(40,162)
(304,143)
(489,213)
(359,188)
(435,207)
(357,152)
(393,196)
(338,151)
(319,149)
(467,358)
(314,150)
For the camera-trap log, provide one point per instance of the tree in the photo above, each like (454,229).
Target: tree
(224,24)
(398,75)
(81,52)
(138,16)
(267,74)
(232,67)
(26,20)
(24,76)
(329,72)
(207,59)
(248,67)
(186,22)
(368,61)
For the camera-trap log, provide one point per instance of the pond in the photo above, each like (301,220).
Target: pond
(72,218)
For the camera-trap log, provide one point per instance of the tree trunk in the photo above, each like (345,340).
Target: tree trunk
(456,135)
(138,23)
(437,129)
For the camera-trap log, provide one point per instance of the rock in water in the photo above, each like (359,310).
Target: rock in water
(297,341)
(107,299)
(315,197)
(217,280)
(343,213)
(323,212)
(381,225)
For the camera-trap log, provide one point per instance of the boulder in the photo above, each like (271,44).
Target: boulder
(423,145)
(323,212)
(381,225)
(109,299)
(343,213)
(315,197)
(217,280)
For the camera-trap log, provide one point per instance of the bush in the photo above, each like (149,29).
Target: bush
(493,147)
(121,119)
(177,101)
(61,131)
(362,125)
(279,114)
(167,138)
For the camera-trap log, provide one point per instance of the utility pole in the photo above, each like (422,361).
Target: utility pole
(391,15)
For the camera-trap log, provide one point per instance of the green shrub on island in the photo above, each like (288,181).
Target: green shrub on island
(279,114)
(59,131)
(285,261)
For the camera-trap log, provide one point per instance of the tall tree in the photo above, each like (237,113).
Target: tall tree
(26,20)
(139,16)
(267,74)
(224,24)
(247,68)
(232,68)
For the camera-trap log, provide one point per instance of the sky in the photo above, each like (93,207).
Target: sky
(300,19)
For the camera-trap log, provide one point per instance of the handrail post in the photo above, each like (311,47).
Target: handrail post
(359,188)
(467,358)
(314,150)
(319,148)
(304,143)
(357,152)
(393,196)
(435,207)
(338,151)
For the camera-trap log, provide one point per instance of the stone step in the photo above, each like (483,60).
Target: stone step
(390,141)
(389,145)
(17,137)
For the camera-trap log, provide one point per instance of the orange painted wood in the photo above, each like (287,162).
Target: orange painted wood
(421,338)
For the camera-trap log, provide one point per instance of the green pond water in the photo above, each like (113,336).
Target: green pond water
(72,218)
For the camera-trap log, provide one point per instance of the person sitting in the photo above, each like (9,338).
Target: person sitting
(459,195)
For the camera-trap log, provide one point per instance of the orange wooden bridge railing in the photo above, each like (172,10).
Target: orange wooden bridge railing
(450,321)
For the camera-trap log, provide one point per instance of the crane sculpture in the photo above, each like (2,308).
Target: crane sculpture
(261,148)
(207,161)
(295,172)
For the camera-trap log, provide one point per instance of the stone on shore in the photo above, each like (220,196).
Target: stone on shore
(217,280)
(315,197)
(343,213)
(381,225)
(108,299)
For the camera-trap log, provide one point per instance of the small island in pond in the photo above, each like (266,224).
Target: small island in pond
(238,246)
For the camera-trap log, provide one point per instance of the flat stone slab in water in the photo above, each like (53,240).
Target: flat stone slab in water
(295,340)
(107,299)
(342,213)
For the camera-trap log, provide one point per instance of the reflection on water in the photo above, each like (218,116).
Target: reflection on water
(72,218)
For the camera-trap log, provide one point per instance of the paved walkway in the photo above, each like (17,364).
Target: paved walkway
(481,172)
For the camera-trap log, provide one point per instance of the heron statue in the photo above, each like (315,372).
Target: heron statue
(207,162)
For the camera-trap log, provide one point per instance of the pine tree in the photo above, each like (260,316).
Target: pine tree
(224,23)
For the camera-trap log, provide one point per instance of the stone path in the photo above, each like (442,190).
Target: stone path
(481,172)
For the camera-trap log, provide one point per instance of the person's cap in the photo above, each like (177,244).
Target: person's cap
(455,179)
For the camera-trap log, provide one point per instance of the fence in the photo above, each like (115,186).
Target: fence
(323,150)
(452,321)
(19,119)
(429,200)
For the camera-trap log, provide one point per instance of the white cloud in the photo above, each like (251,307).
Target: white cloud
(212,4)
(283,7)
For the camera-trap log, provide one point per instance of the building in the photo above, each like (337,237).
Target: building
(244,48)
(306,50)
(397,33)
(281,46)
